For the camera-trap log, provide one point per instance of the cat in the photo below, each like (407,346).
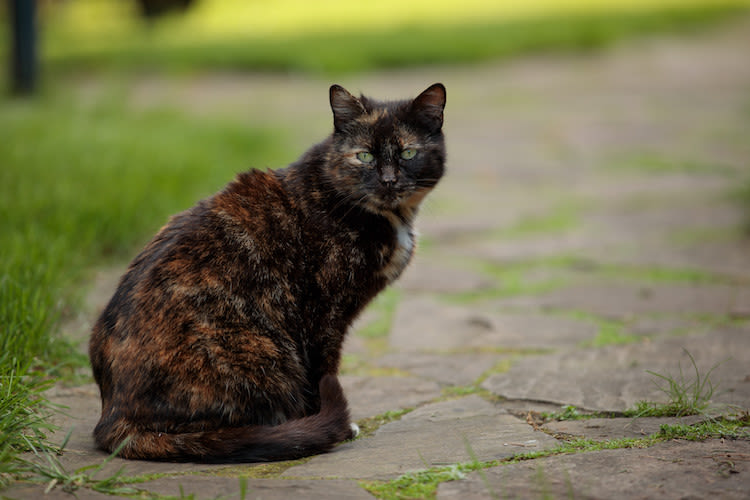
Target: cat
(223,339)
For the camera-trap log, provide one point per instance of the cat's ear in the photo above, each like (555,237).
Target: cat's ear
(345,106)
(428,106)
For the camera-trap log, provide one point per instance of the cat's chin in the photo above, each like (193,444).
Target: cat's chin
(385,204)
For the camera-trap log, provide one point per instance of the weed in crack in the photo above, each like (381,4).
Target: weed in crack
(686,397)
(368,426)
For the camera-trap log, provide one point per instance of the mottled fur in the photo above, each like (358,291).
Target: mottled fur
(223,339)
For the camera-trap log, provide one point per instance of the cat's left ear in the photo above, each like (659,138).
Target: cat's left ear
(429,105)
(345,106)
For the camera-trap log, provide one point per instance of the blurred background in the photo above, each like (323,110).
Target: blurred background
(334,36)
(132,110)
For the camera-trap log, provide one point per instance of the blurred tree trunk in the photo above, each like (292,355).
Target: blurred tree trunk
(153,8)
(23,57)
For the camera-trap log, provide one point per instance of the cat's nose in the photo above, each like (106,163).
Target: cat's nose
(388,177)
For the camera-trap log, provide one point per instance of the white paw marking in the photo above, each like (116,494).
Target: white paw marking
(355,429)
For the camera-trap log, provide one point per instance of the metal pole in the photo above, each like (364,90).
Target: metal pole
(23,55)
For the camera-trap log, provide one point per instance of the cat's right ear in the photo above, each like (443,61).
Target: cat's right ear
(429,106)
(345,106)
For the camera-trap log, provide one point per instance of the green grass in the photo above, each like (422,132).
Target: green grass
(24,415)
(686,395)
(611,333)
(48,469)
(368,426)
(81,186)
(567,412)
(337,36)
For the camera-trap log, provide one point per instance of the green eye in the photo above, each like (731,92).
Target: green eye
(365,157)
(408,154)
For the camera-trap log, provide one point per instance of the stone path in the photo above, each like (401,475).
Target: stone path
(586,235)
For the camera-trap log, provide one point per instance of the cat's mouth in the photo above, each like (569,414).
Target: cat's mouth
(383,200)
(392,198)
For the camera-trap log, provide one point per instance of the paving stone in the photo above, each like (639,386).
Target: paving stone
(434,276)
(626,300)
(698,209)
(423,324)
(671,470)
(550,244)
(207,487)
(648,235)
(663,325)
(433,435)
(729,258)
(641,233)
(456,369)
(615,428)
(450,229)
(615,188)
(355,344)
(614,378)
(371,396)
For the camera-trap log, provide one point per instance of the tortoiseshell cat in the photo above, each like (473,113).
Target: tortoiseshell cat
(223,339)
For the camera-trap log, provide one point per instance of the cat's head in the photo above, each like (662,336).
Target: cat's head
(386,155)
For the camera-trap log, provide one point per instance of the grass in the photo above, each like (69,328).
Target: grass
(24,415)
(611,333)
(337,36)
(368,426)
(687,396)
(48,469)
(567,412)
(81,186)
(422,484)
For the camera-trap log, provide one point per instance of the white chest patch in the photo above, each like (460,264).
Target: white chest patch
(402,253)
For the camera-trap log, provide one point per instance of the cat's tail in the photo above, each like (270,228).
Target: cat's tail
(292,439)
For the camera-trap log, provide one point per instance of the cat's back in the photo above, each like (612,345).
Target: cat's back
(202,281)
(205,255)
